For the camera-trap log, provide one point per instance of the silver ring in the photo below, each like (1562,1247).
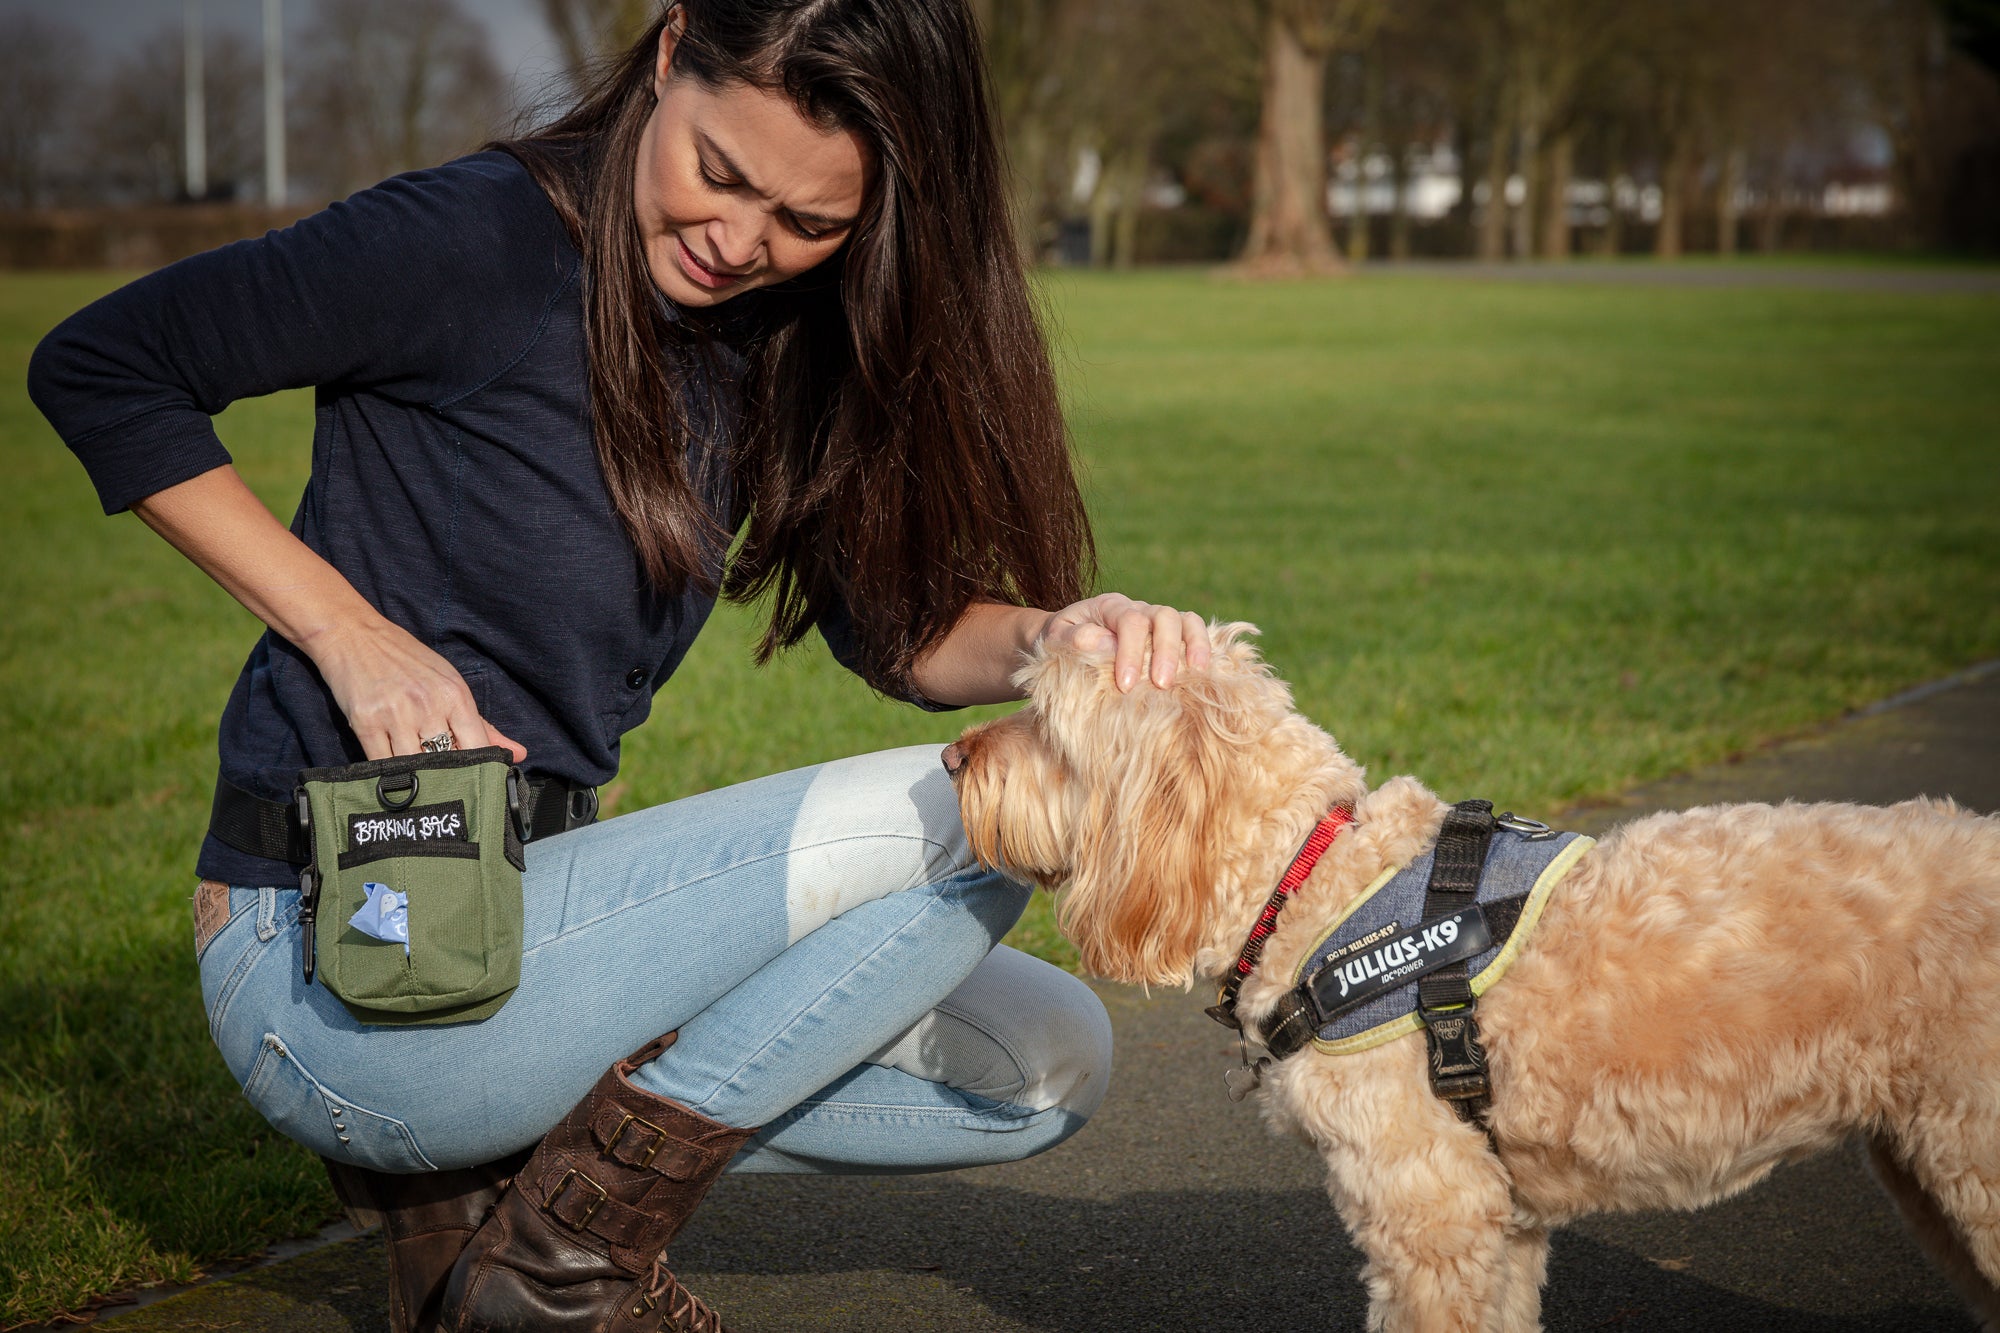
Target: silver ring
(442,741)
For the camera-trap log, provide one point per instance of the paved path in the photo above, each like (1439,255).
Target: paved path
(1750,272)
(1174,1210)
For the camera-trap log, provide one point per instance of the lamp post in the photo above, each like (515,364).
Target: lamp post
(274,102)
(194,110)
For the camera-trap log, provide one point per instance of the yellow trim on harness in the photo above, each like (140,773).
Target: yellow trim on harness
(1488,976)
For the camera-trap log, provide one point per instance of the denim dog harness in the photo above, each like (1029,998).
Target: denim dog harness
(1354,968)
(1414,951)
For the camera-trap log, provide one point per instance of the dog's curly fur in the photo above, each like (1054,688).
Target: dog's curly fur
(1709,993)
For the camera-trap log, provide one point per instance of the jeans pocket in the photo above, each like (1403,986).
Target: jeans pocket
(308,1112)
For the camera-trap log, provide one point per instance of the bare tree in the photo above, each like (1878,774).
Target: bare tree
(1131,73)
(587,30)
(1941,107)
(1031,68)
(391,85)
(42,63)
(1555,44)
(1422,82)
(131,130)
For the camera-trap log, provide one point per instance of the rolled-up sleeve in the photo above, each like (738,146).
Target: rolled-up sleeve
(363,293)
(836,626)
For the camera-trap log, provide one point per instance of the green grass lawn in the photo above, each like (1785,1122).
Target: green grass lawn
(1531,542)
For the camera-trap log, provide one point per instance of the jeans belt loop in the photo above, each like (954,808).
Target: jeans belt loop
(267,914)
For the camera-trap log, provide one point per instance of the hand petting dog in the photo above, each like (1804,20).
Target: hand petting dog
(1705,995)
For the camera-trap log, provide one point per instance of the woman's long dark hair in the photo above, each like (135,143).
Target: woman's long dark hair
(901,446)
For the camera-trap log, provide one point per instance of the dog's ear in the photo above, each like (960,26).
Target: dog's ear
(1158,773)
(1155,767)
(1144,865)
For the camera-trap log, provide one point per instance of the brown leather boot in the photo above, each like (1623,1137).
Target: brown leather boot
(578,1244)
(427,1220)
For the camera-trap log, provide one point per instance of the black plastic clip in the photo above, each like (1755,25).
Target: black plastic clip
(1457,1060)
(517,804)
(308,884)
(308,917)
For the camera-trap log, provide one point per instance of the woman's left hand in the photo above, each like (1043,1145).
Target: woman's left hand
(1174,638)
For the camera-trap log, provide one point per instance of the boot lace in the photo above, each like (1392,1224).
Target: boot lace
(681,1311)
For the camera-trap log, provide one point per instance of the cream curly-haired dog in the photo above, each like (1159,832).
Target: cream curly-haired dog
(1707,994)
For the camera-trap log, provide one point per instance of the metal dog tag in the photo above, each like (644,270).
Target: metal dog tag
(1244,1079)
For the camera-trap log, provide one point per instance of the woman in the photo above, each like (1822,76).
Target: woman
(757,286)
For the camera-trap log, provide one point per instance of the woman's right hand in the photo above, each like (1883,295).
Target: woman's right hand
(395,691)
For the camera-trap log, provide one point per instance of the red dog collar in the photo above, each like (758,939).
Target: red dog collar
(1223,1010)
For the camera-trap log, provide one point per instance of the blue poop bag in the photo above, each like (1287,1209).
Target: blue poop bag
(385,916)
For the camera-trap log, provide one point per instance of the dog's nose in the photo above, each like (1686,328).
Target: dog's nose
(954,758)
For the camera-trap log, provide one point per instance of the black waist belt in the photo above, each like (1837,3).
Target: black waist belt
(271,830)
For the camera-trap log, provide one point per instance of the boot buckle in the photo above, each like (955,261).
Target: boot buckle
(590,1209)
(645,1159)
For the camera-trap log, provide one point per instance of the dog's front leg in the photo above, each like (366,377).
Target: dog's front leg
(1524,1267)
(1428,1204)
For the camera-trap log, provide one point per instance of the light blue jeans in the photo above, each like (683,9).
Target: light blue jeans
(822,939)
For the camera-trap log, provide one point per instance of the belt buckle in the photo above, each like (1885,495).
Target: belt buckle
(562,1185)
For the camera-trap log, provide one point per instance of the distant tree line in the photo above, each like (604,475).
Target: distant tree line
(375,87)
(1737,115)
(1148,128)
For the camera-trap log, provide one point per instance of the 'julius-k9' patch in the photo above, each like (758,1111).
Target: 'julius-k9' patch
(1391,957)
(421,830)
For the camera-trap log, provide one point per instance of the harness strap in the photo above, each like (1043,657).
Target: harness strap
(1445,1002)
(270,829)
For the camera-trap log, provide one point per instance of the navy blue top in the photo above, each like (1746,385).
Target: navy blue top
(454,478)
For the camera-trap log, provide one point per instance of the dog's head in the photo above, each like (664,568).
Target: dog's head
(1141,807)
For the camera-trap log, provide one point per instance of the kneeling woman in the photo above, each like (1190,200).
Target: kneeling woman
(747,321)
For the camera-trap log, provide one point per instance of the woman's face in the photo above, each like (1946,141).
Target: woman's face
(735,189)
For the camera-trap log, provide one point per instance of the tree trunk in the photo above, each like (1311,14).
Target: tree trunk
(1028,146)
(1530,113)
(1371,129)
(1728,196)
(1771,223)
(1288,222)
(1614,222)
(1493,222)
(1131,181)
(1558,162)
(1673,203)
(1399,221)
(1103,201)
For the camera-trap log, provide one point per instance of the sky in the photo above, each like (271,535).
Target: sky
(521,42)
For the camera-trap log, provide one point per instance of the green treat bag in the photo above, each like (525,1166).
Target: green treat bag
(443,830)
